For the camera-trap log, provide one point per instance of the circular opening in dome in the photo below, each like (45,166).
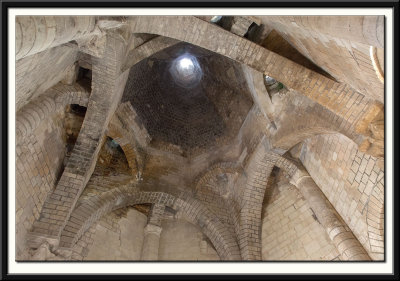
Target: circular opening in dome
(186,64)
(186,71)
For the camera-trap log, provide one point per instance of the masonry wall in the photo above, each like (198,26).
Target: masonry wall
(39,162)
(354,184)
(290,230)
(181,240)
(352,181)
(297,117)
(347,60)
(118,236)
(37,73)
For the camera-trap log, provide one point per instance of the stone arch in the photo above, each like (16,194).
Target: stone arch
(300,118)
(89,212)
(260,168)
(208,190)
(375,207)
(55,99)
(48,153)
(375,218)
(117,133)
(251,198)
(211,37)
(281,162)
(148,49)
(353,248)
(214,170)
(287,141)
(372,214)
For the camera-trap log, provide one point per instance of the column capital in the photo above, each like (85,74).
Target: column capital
(152,229)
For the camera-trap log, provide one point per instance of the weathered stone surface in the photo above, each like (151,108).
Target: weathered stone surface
(163,138)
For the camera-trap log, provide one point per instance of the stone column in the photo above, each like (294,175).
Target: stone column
(151,242)
(152,232)
(342,237)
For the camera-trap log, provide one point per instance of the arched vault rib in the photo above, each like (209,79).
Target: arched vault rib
(219,168)
(285,113)
(119,135)
(349,105)
(86,214)
(259,169)
(53,100)
(298,135)
(148,49)
(261,164)
(107,88)
(207,184)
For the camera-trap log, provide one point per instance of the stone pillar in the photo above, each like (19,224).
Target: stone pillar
(151,242)
(152,232)
(342,237)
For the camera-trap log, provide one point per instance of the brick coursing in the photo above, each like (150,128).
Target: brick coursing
(53,100)
(40,151)
(107,87)
(37,33)
(340,98)
(290,230)
(354,184)
(86,214)
(330,46)
(35,74)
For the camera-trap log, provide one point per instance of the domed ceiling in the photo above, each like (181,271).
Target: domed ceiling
(188,97)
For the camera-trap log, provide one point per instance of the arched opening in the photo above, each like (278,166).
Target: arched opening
(127,196)
(74,116)
(112,157)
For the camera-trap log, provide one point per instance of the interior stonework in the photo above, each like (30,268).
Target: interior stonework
(200,138)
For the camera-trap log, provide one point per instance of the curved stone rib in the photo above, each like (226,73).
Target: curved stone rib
(53,100)
(341,235)
(117,133)
(222,198)
(341,99)
(148,49)
(259,167)
(222,167)
(107,88)
(88,213)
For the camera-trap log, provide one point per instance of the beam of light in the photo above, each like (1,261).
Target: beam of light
(186,71)
(185,63)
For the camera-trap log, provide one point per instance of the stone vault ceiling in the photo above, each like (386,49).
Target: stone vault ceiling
(266,134)
(183,97)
